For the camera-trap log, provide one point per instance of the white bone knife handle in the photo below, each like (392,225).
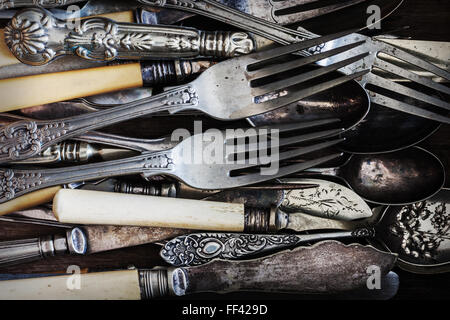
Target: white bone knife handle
(104,39)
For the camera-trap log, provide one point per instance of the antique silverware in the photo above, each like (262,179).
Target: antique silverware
(327,267)
(81,240)
(36,37)
(209,173)
(396,178)
(418,233)
(200,248)
(382,91)
(208,93)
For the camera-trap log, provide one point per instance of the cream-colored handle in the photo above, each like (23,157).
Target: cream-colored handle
(94,207)
(115,285)
(7,58)
(28,91)
(29,200)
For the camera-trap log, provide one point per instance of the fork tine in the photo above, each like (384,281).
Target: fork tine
(270,70)
(306,92)
(250,147)
(405,107)
(282,50)
(283,128)
(300,15)
(412,59)
(408,92)
(285,83)
(254,178)
(392,68)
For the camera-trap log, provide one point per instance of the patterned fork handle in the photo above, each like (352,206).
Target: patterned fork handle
(23,139)
(200,248)
(36,37)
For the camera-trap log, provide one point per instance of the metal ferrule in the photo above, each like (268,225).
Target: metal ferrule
(155,283)
(259,219)
(225,44)
(150,189)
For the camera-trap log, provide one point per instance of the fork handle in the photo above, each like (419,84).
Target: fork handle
(9,4)
(16,183)
(104,39)
(24,139)
(217,11)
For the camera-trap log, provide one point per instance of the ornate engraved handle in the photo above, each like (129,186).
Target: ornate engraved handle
(215,10)
(9,4)
(36,37)
(26,250)
(15,183)
(200,248)
(24,139)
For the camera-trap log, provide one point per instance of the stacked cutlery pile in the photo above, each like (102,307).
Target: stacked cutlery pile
(258,155)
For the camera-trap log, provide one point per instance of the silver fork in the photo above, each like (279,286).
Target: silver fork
(211,175)
(209,93)
(411,101)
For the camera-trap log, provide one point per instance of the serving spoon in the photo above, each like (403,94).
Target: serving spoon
(396,178)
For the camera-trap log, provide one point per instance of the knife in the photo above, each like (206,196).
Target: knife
(96,207)
(81,240)
(326,267)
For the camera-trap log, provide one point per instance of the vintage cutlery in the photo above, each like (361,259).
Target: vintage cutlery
(208,173)
(208,93)
(80,240)
(382,91)
(200,248)
(327,267)
(418,233)
(396,178)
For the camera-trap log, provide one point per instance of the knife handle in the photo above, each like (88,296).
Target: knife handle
(114,285)
(27,250)
(103,39)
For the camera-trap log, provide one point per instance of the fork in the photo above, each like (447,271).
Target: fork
(400,97)
(174,162)
(209,93)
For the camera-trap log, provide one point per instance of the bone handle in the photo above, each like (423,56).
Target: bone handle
(29,200)
(94,207)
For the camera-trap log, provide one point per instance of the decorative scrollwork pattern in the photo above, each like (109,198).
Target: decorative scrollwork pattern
(26,138)
(196,249)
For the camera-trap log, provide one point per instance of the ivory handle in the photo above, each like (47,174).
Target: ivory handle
(28,91)
(29,200)
(94,207)
(115,285)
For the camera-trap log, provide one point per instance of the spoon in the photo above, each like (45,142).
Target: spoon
(418,233)
(396,178)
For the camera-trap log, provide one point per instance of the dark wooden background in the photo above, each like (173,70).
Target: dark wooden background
(426,20)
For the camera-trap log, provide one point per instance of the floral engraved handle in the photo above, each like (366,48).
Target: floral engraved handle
(200,248)
(27,138)
(8,4)
(36,37)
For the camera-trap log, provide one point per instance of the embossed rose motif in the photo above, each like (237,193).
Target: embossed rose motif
(24,36)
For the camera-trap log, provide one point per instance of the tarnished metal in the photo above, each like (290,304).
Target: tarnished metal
(208,93)
(396,178)
(200,248)
(104,39)
(382,91)
(213,176)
